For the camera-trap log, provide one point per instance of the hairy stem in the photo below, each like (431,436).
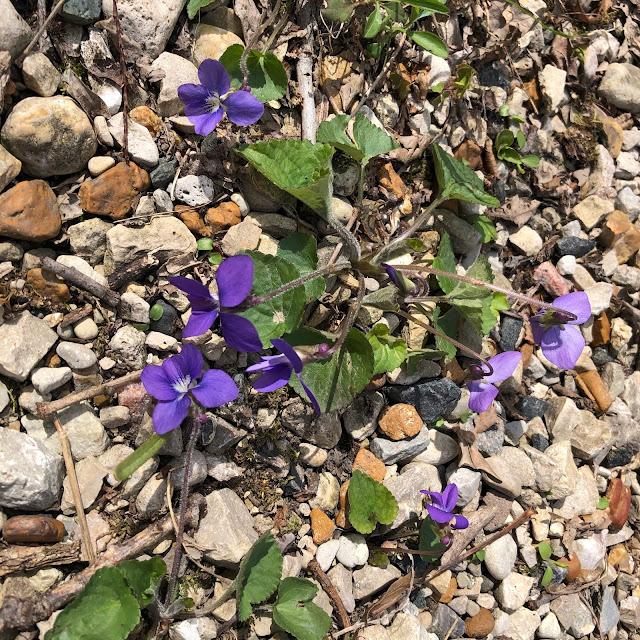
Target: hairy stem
(349,320)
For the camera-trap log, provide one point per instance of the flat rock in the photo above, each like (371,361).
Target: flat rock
(29,211)
(432,399)
(50,136)
(15,33)
(468,482)
(177,70)
(621,86)
(30,474)
(555,470)
(342,580)
(77,356)
(48,379)
(24,341)
(500,557)
(360,418)
(194,190)
(584,499)
(90,475)
(322,430)
(10,167)
(241,237)
(81,11)
(211,42)
(513,591)
(522,624)
(446,623)
(226,530)
(142,148)
(573,615)
(390,451)
(442,449)
(40,75)
(369,580)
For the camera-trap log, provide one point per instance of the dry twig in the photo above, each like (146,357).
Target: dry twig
(27,557)
(43,28)
(332,592)
(125,94)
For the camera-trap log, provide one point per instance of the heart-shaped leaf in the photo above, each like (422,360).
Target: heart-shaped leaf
(370,502)
(295,612)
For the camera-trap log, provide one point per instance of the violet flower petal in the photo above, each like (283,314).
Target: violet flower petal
(436,497)
(239,333)
(481,396)
(170,415)
(155,382)
(562,346)
(268,362)
(186,364)
(393,274)
(204,124)
(450,497)
(192,288)
(504,364)
(235,279)
(289,352)
(536,329)
(194,95)
(243,108)
(460,522)
(214,76)
(199,322)
(273,378)
(576,303)
(215,389)
(312,398)
(439,515)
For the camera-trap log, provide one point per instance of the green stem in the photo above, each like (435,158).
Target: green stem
(361,185)
(144,452)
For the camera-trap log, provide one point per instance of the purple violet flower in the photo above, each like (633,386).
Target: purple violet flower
(481,388)
(278,369)
(561,343)
(442,506)
(206,103)
(176,380)
(235,279)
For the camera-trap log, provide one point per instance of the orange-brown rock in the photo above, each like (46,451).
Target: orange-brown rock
(223,216)
(322,526)
(470,152)
(400,421)
(48,285)
(193,220)
(480,625)
(148,119)
(619,557)
(594,387)
(29,211)
(573,567)
(390,180)
(343,505)
(114,192)
(32,529)
(621,235)
(601,331)
(619,497)
(367,463)
(613,133)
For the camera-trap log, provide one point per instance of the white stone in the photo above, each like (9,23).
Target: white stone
(40,75)
(599,297)
(83,267)
(99,164)
(177,70)
(134,308)
(326,553)
(86,329)
(77,356)
(142,149)
(522,624)
(353,550)
(500,557)
(48,379)
(161,342)
(468,483)
(194,190)
(552,82)
(128,346)
(442,449)
(549,627)
(566,265)
(513,591)
(527,240)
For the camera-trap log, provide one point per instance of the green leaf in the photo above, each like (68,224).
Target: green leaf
(295,612)
(547,577)
(480,555)
(265,74)
(430,42)
(204,244)
(105,610)
(195,5)
(333,132)
(521,139)
(531,161)
(429,539)
(388,352)
(503,112)
(504,139)
(485,227)
(371,140)
(282,313)
(438,88)
(298,167)
(516,119)
(545,550)
(259,574)
(416,244)
(338,10)
(603,503)
(374,23)
(144,576)
(144,452)
(431,6)
(370,502)
(510,155)
(337,380)
(446,261)
(214,258)
(458,181)
(300,249)
(156,312)
(447,324)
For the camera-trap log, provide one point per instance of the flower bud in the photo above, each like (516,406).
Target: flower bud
(476,372)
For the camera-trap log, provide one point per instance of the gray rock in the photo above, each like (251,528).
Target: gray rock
(590,551)
(369,580)
(29,398)
(442,449)
(353,550)
(584,499)
(24,341)
(86,329)
(513,591)
(514,469)
(152,496)
(138,479)
(150,25)
(77,356)
(177,70)
(114,417)
(86,434)
(9,251)
(573,615)
(195,190)
(407,627)
(134,308)
(48,379)
(300,418)
(274,224)
(4,396)
(390,451)
(630,612)
(168,236)
(628,202)
(327,493)
(40,75)
(128,346)
(15,33)
(241,237)
(197,475)
(90,475)
(30,474)
(468,483)
(522,624)
(142,148)
(500,557)
(621,86)
(599,296)
(83,266)
(50,136)
(361,417)
(555,469)
(81,11)
(552,82)
(446,623)
(609,613)
(431,399)
(343,582)
(88,239)
(226,530)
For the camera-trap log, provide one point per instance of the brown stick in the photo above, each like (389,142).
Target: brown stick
(18,614)
(47,409)
(332,592)
(77,314)
(75,488)
(77,278)
(24,558)
(132,271)
(125,94)
(42,29)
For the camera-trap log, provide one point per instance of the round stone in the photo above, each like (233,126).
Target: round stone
(50,136)
(99,164)
(86,329)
